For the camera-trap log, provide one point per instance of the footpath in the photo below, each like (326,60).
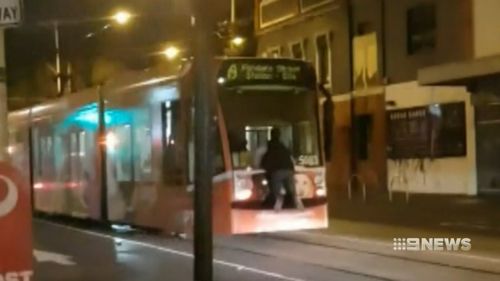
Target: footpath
(371,226)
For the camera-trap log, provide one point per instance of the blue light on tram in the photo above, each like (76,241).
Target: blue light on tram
(87,117)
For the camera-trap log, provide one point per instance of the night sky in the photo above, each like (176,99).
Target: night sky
(30,51)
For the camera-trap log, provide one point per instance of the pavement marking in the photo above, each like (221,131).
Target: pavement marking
(45,256)
(236,266)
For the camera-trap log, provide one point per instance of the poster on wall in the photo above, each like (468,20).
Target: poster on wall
(435,131)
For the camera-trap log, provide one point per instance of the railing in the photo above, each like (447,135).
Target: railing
(363,186)
(400,179)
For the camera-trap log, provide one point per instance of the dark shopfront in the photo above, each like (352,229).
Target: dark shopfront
(482,79)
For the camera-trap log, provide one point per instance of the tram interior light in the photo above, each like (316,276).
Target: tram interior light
(87,117)
(111,141)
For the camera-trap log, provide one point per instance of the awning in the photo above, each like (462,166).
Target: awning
(460,73)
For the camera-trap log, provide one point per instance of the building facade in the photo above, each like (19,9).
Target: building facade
(479,72)
(404,135)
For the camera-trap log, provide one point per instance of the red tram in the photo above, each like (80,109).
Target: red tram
(140,172)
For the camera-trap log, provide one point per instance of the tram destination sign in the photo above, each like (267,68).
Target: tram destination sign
(10,12)
(256,72)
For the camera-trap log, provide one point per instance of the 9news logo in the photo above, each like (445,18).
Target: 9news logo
(432,244)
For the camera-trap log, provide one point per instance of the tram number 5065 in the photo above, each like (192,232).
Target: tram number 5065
(308,160)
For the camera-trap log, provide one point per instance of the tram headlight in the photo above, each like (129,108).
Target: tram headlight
(319,181)
(111,141)
(243,195)
(243,189)
(321,192)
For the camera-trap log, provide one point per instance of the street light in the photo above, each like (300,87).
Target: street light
(122,17)
(171,52)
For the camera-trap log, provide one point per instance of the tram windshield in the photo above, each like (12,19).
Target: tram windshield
(257,95)
(250,116)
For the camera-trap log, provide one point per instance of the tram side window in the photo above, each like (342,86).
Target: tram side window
(143,140)
(46,157)
(172,145)
(218,154)
(121,153)
(36,154)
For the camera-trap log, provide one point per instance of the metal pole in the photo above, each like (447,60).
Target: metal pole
(103,155)
(4,132)
(352,104)
(204,79)
(58,58)
(69,83)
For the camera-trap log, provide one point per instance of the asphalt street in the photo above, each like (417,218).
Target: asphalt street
(78,254)
(73,254)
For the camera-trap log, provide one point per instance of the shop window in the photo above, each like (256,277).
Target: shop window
(421,28)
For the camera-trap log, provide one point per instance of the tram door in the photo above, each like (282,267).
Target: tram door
(120,171)
(75,182)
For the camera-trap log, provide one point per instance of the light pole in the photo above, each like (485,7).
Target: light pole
(204,77)
(233,11)
(121,18)
(58,58)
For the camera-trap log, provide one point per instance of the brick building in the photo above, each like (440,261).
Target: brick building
(415,133)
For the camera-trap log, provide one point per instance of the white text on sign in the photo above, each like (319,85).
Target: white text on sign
(17,276)
(10,12)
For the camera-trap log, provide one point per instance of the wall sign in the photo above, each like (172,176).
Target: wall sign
(434,131)
(16,253)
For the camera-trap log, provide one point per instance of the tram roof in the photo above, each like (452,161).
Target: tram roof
(126,81)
